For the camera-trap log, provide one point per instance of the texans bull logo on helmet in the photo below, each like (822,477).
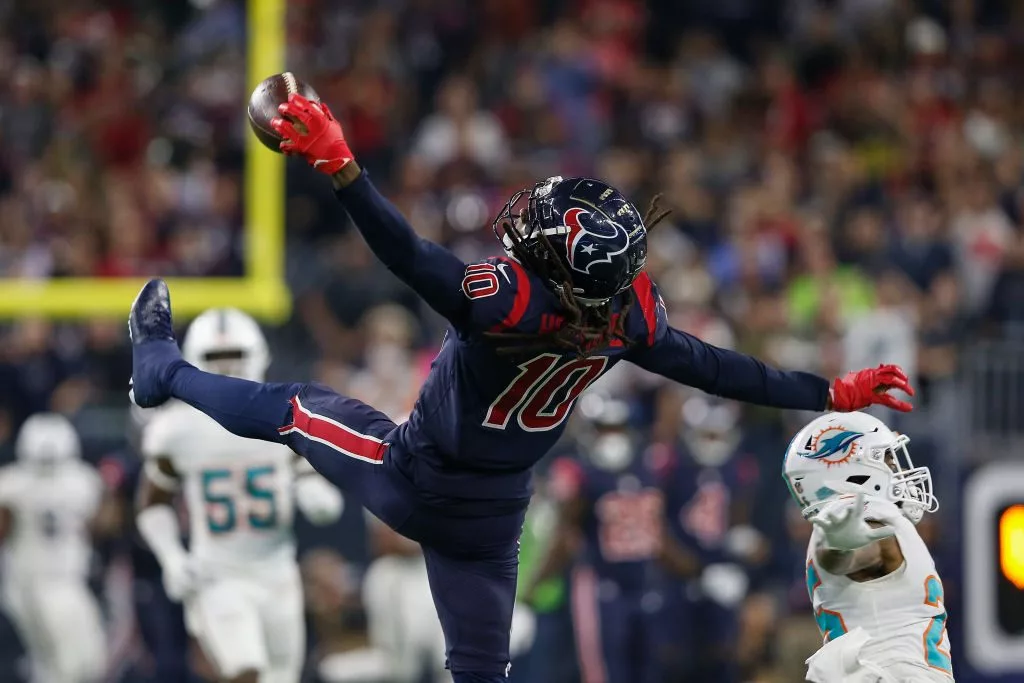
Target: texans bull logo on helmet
(591,242)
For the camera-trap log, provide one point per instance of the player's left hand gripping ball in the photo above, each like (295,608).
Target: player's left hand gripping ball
(322,143)
(871,386)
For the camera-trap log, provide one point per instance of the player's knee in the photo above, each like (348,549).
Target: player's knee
(247,676)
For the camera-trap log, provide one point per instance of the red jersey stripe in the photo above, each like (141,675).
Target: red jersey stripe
(522,299)
(644,290)
(334,434)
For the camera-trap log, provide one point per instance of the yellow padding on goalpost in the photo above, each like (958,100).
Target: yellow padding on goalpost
(262,291)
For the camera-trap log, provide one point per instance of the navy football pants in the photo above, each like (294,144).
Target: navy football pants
(472,562)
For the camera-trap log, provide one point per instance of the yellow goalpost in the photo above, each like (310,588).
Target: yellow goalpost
(261,291)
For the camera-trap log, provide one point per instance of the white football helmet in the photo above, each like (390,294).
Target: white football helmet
(46,440)
(228,342)
(606,440)
(711,429)
(843,453)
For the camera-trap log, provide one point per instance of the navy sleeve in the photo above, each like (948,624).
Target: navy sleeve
(432,271)
(688,360)
(498,291)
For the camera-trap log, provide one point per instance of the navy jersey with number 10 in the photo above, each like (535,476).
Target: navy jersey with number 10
(483,418)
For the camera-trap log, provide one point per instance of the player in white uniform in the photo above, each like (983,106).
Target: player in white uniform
(239,580)
(876,595)
(47,500)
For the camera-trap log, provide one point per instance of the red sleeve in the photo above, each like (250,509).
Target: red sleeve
(652,306)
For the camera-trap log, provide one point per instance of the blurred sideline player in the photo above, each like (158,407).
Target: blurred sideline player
(529,333)
(342,650)
(160,622)
(399,612)
(551,657)
(709,498)
(872,582)
(47,500)
(710,491)
(238,580)
(613,510)
(392,373)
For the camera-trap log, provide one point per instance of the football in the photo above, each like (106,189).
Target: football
(271,92)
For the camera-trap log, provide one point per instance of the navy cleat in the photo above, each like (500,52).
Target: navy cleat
(155,352)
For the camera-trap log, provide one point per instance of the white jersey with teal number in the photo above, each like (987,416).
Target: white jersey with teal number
(903,613)
(238,491)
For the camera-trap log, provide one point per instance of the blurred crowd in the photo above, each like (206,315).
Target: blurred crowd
(844,176)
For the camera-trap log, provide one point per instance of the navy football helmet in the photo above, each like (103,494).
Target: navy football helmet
(578,230)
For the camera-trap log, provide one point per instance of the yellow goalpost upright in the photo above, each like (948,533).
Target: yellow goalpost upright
(261,291)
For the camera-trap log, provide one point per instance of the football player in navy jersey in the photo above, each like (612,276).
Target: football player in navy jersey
(710,493)
(613,528)
(528,333)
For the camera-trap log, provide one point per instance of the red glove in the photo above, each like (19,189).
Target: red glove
(322,143)
(858,390)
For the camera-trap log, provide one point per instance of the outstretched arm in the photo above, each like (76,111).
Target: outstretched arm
(157,523)
(432,271)
(690,361)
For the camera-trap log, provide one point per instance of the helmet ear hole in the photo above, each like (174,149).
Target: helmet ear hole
(858,479)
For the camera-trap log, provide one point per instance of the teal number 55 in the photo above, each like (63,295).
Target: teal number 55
(222,507)
(255,482)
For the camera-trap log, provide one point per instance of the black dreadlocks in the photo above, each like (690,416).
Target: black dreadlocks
(585,328)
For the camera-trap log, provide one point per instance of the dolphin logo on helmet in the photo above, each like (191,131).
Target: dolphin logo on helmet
(841,453)
(832,445)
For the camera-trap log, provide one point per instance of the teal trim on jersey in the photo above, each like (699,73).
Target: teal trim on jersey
(829,623)
(218,524)
(935,657)
(256,492)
